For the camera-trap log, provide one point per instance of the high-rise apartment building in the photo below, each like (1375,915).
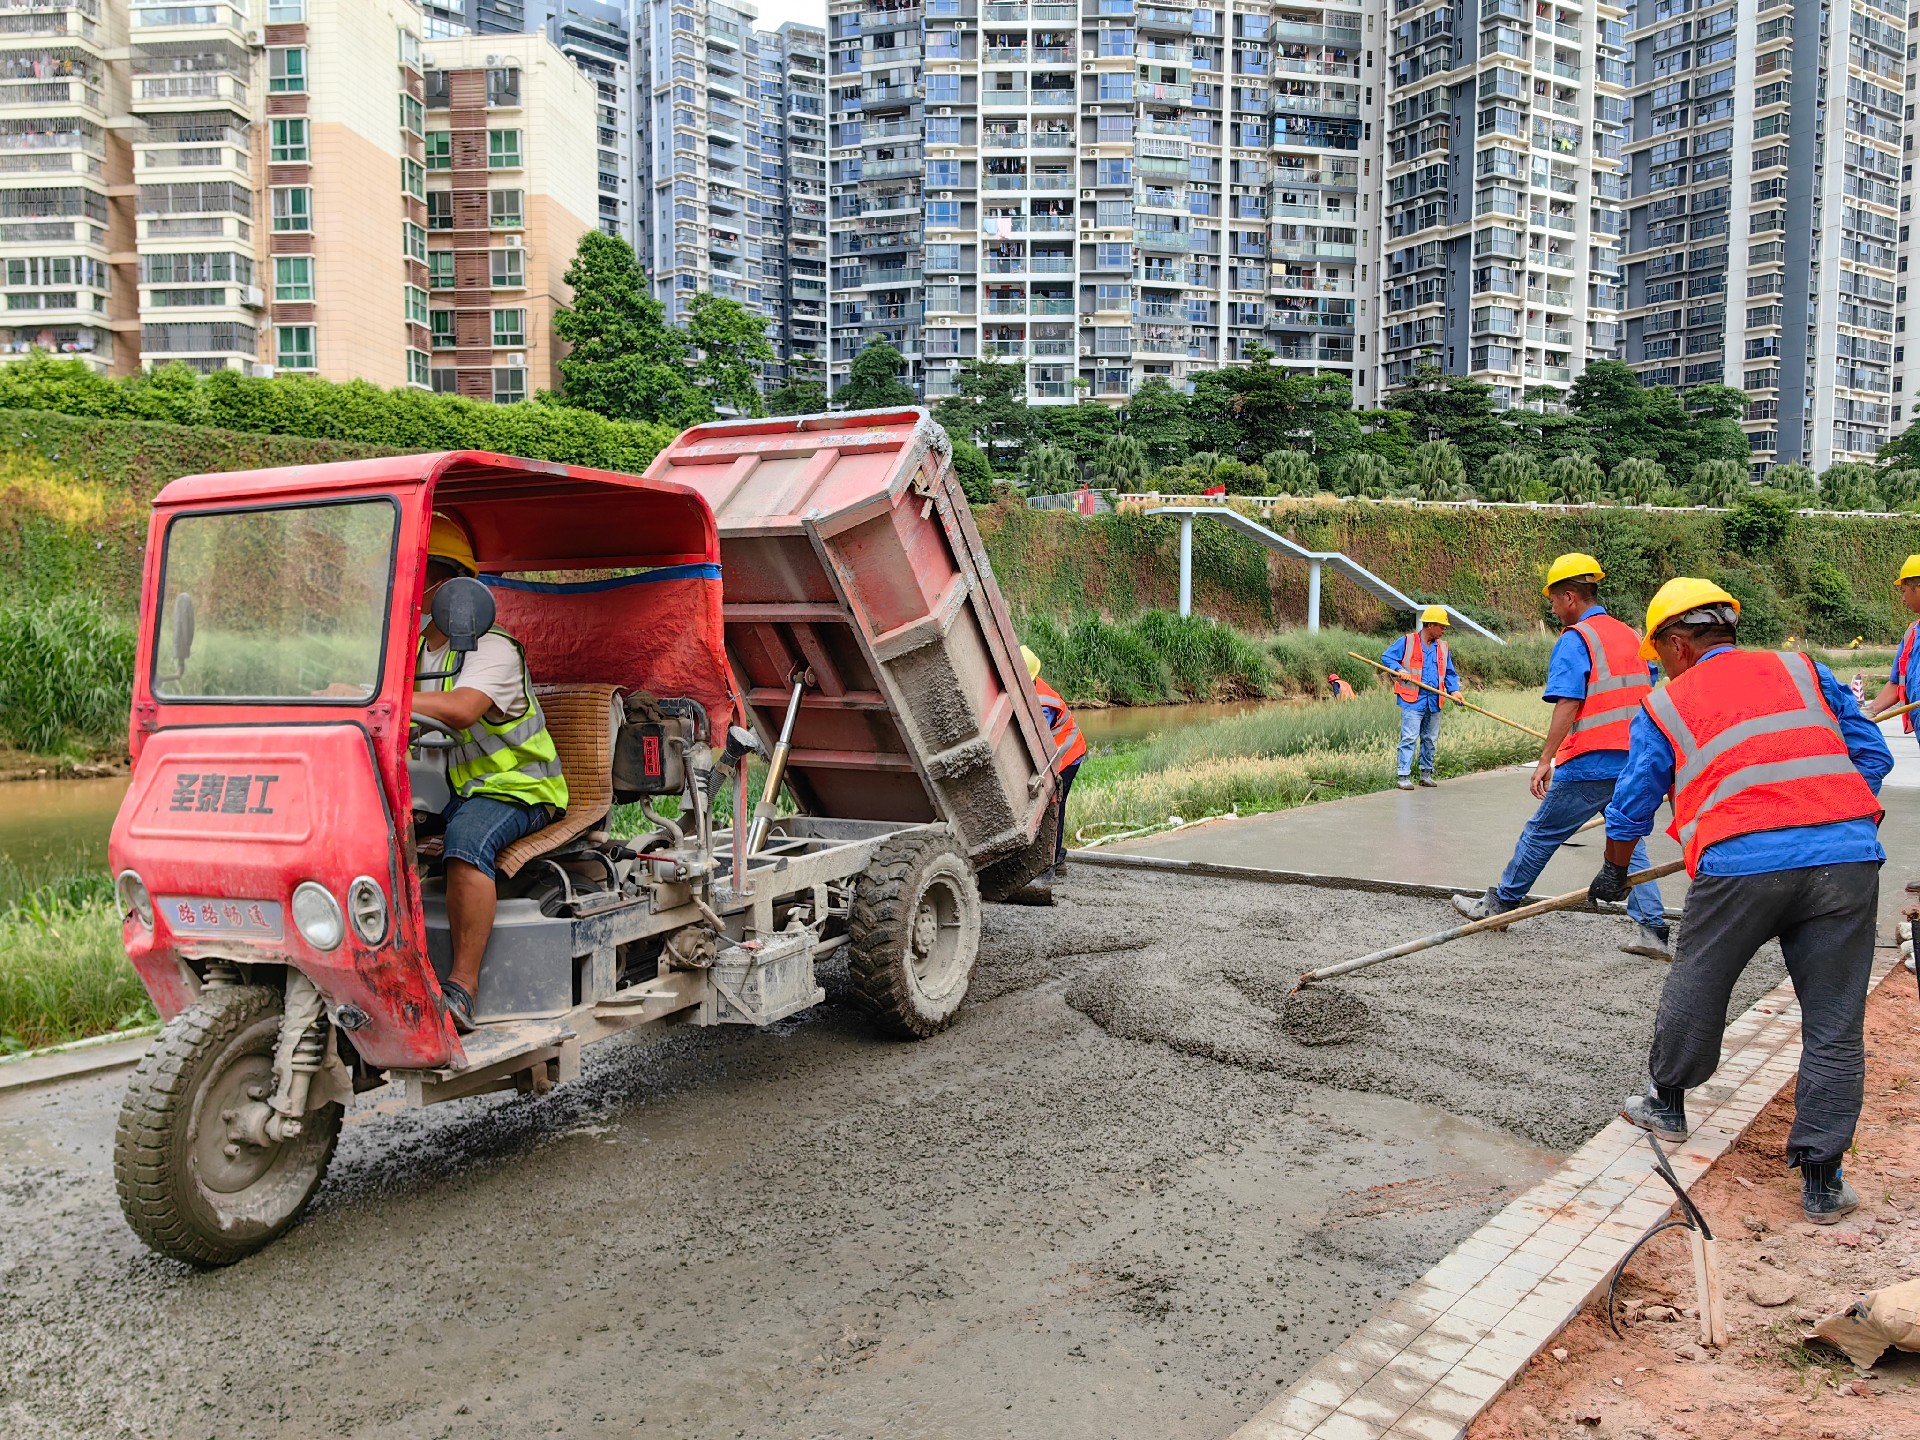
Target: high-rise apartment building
(1504,124)
(792,189)
(509,121)
(1762,252)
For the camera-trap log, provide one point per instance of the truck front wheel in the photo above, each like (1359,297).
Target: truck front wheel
(915,932)
(191,1186)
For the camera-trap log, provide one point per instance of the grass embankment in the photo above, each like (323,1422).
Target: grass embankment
(63,973)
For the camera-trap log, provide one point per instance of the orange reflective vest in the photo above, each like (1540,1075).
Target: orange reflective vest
(1070,744)
(1900,675)
(1617,682)
(1342,690)
(1755,747)
(1415,659)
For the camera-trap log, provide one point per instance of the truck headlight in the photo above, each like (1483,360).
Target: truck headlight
(316,915)
(367,909)
(131,891)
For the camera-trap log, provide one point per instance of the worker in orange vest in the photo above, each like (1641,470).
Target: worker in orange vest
(1340,688)
(1774,775)
(1422,655)
(1903,682)
(1070,748)
(1595,683)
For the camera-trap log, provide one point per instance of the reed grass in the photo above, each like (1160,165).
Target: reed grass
(63,971)
(66,674)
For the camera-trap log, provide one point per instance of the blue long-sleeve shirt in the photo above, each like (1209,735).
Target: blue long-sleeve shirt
(1568,670)
(1395,655)
(1647,779)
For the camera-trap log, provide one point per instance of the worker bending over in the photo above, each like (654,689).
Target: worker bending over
(1422,655)
(1338,689)
(1773,773)
(1595,683)
(1070,748)
(503,770)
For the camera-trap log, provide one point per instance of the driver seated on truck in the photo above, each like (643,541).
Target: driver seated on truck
(503,770)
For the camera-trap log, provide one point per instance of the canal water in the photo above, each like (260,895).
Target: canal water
(50,829)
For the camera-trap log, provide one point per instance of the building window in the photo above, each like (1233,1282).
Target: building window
(503,149)
(292,210)
(509,269)
(289,141)
(509,329)
(413,177)
(416,305)
(440,210)
(419,368)
(409,49)
(441,323)
(504,210)
(414,241)
(286,12)
(440,150)
(440,270)
(293,277)
(509,384)
(413,115)
(446,380)
(293,345)
(287,70)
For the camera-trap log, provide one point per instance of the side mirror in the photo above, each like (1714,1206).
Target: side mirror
(463,611)
(182,631)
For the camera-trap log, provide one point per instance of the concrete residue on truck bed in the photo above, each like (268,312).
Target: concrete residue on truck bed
(1112,1201)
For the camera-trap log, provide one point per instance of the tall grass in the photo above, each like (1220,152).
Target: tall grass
(1156,658)
(66,671)
(63,972)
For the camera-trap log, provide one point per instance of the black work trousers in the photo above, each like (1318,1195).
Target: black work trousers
(1823,917)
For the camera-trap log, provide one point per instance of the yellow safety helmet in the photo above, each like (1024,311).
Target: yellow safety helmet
(447,540)
(1676,598)
(1575,567)
(1910,570)
(1435,615)
(1033,663)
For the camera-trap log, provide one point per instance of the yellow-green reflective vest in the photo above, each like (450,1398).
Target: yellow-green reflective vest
(513,761)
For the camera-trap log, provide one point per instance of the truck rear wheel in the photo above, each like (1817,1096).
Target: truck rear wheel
(189,1188)
(915,932)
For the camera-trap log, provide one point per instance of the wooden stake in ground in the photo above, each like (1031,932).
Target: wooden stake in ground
(1706,1287)
(1455,699)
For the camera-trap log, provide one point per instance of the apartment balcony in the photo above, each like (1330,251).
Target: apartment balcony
(62,230)
(188,91)
(1293,30)
(49,162)
(49,80)
(73,20)
(148,18)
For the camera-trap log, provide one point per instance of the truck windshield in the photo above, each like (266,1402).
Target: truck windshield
(287,603)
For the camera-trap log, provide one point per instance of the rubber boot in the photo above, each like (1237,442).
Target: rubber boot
(1825,1194)
(1405,782)
(1663,1110)
(1654,942)
(1482,907)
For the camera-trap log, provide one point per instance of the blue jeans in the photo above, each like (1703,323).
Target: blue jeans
(1568,806)
(1422,726)
(481,827)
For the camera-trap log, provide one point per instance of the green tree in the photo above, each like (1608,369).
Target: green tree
(1363,474)
(798,397)
(1437,472)
(990,408)
(1510,476)
(1573,480)
(1121,464)
(1716,482)
(873,381)
(1900,488)
(1157,416)
(1759,522)
(1850,486)
(1049,470)
(623,360)
(1793,479)
(975,473)
(1833,611)
(1457,410)
(730,349)
(1292,472)
(1080,429)
(1636,480)
(1253,409)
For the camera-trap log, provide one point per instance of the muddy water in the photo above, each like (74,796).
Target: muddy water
(1114,1200)
(1124,724)
(50,829)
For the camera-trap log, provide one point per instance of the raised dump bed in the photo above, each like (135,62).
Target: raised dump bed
(847,549)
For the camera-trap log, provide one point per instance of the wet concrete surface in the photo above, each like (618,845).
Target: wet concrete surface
(1114,1200)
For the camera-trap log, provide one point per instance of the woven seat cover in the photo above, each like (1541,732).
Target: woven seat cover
(580,719)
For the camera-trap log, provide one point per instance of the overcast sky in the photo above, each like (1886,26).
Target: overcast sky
(775,13)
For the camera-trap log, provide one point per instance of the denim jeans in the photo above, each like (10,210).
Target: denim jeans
(1568,806)
(481,827)
(1422,726)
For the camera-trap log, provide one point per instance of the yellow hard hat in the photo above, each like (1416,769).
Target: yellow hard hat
(448,541)
(1572,567)
(1033,663)
(1910,570)
(1676,598)
(1435,615)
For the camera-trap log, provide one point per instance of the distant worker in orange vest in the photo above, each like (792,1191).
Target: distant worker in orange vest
(1340,688)
(1595,683)
(1424,656)
(1774,775)
(1070,748)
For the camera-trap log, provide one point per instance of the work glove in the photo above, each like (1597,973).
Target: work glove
(1610,883)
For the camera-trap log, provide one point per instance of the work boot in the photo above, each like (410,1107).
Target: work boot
(1825,1194)
(1653,941)
(1405,782)
(1482,907)
(1427,782)
(1663,1110)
